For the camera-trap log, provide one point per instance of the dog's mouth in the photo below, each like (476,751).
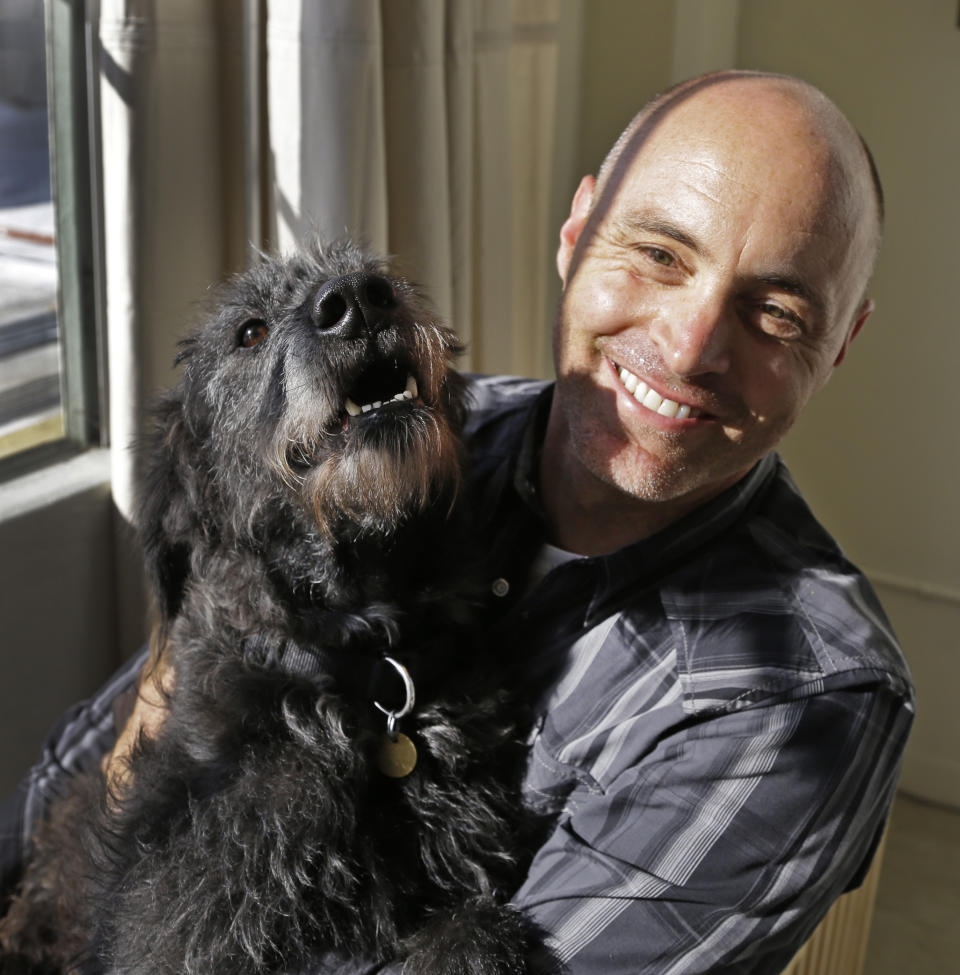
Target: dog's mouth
(385,386)
(380,385)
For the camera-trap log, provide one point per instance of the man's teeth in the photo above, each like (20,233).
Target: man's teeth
(652,400)
(410,392)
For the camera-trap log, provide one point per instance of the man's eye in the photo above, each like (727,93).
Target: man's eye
(779,322)
(660,256)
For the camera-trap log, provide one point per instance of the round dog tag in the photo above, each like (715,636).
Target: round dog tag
(397,756)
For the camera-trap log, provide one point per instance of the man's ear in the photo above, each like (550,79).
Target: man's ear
(863,313)
(574,224)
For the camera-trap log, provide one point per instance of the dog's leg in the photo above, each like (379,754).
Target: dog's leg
(481,937)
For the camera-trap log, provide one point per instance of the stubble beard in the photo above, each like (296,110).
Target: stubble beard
(652,472)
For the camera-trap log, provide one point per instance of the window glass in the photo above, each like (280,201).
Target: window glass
(30,400)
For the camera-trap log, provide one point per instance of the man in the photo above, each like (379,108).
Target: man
(724,728)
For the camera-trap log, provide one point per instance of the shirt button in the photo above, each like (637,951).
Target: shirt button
(500,587)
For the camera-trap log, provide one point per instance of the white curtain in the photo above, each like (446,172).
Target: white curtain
(426,127)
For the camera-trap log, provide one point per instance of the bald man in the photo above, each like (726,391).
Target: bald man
(725,711)
(712,283)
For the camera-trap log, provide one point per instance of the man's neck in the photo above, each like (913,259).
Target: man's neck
(587,515)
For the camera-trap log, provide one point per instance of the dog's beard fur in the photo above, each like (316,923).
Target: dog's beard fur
(385,485)
(380,476)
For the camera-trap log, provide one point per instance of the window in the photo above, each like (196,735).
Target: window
(48,350)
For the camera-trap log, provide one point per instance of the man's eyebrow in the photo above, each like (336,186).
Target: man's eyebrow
(794,286)
(633,222)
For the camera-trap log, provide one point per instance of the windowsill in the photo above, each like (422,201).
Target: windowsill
(55,482)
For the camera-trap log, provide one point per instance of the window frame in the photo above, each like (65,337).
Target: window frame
(74,178)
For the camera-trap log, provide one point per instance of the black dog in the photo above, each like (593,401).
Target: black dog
(337,774)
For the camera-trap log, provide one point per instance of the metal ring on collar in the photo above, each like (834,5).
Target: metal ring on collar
(394,716)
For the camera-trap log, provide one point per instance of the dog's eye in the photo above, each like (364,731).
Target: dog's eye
(252,333)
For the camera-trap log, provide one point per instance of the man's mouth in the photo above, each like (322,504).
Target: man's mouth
(649,398)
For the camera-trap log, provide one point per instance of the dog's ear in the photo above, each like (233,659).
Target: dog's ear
(169,519)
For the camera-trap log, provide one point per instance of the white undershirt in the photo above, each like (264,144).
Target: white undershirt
(548,558)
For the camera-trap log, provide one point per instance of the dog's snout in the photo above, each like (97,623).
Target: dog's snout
(352,304)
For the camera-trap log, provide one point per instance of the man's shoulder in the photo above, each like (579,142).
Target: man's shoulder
(499,410)
(498,400)
(777,598)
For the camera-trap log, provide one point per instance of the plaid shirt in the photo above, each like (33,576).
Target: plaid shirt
(723,735)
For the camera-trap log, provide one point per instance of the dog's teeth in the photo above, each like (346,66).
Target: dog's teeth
(410,392)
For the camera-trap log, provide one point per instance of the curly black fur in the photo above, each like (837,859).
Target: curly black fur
(291,545)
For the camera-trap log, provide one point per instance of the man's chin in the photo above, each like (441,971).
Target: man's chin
(657,477)
(628,469)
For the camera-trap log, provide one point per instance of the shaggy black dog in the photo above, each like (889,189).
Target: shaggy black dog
(337,774)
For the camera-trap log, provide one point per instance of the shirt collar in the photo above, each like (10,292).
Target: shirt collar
(648,560)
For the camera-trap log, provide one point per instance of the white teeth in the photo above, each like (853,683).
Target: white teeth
(668,408)
(652,400)
(409,393)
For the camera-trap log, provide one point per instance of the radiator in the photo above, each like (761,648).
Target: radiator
(838,946)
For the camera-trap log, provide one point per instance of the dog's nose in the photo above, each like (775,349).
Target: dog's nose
(353,304)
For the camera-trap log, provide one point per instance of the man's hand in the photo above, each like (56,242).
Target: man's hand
(149,710)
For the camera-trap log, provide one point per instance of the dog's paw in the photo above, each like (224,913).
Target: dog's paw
(479,938)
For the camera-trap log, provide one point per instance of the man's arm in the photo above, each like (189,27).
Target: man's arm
(722,849)
(78,742)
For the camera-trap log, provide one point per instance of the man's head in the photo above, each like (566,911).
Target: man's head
(718,266)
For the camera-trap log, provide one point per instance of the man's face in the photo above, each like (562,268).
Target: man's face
(712,293)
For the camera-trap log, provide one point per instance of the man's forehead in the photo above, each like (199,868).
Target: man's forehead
(769,134)
(709,142)
(771,165)
(694,187)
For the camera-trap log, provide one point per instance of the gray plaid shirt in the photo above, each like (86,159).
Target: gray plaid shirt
(723,735)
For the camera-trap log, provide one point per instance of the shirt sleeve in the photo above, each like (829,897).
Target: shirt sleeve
(77,742)
(722,849)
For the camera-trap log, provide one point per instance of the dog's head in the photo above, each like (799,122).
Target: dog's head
(318,397)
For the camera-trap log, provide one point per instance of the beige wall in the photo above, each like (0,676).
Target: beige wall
(876,453)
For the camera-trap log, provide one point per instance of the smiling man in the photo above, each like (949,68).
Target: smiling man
(726,729)
(713,279)
(721,705)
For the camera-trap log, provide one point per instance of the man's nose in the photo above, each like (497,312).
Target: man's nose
(695,337)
